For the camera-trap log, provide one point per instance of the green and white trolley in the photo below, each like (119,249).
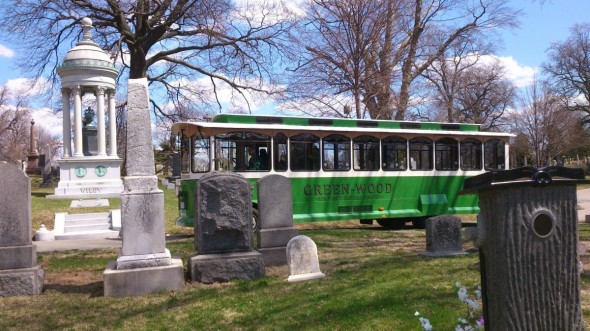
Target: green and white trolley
(343,169)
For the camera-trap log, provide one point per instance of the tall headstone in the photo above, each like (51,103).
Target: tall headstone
(275,218)
(19,272)
(303,261)
(223,230)
(144,264)
(443,236)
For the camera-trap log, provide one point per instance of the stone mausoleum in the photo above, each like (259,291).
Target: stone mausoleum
(88,169)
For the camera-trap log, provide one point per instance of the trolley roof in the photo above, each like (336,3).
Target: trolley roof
(291,123)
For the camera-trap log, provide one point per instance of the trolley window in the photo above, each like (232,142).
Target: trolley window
(280,152)
(305,152)
(336,154)
(421,154)
(447,154)
(200,154)
(471,154)
(366,153)
(394,153)
(494,154)
(185,154)
(242,151)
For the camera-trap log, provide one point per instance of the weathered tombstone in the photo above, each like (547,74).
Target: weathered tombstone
(528,243)
(19,272)
(443,236)
(303,261)
(144,265)
(223,230)
(275,218)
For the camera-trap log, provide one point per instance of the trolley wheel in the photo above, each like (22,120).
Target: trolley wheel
(392,224)
(366,221)
(254,219)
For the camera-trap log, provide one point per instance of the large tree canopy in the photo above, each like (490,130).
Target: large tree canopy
(569,70)
(373,52)
(172,43)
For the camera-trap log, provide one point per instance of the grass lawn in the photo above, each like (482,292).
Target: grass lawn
(375,281)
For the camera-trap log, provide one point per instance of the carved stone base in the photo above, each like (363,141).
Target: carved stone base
(210,268)
(142,281)
(25,281)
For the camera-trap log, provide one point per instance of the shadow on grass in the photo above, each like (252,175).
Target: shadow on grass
(39,194)
(93,290)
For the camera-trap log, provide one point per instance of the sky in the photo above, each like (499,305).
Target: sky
(523,51)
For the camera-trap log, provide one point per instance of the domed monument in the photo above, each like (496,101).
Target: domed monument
(88,172)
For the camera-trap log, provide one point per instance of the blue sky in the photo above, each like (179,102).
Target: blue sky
(542,24)
(523,51)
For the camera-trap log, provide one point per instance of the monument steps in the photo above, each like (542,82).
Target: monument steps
(86,226)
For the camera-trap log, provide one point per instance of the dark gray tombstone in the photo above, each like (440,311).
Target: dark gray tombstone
(223,230)
(528,242)
(303,261)
(443,236)
(275,218)
(19,272)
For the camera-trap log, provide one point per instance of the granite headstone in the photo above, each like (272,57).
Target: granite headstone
(223,230)
(303,261)
(19,272)
(443,236)
(275,218)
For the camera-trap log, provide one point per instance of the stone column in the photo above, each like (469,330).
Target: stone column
(67,124)
(102,147)
(144,265)
(142,203)
(33,141)
(112,123)
(78,152)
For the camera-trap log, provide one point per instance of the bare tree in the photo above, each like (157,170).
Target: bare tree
(569,70)
(375,50)
(172,43)
(485,96)
(335,39)
(551,131)
(15,124)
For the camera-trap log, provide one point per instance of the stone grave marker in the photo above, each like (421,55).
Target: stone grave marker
(275,218)
(302,258)
(144,264)
(443,236)
(19,272)
(223,230)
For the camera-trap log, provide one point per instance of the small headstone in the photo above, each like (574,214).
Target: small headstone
(223,230)
(275,218)
(303,261)
(587,218)
(19,272)
(89,203)
(443,236)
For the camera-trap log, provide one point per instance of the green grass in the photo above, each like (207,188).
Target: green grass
(375,280)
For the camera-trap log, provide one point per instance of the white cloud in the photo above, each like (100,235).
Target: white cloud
(51,121)
(5,51)
(24,87)
(520,75)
